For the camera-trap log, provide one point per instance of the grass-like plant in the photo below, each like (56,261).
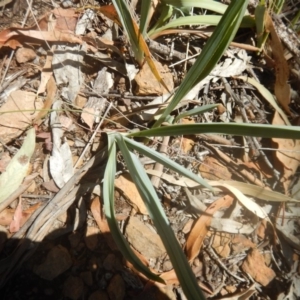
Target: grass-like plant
(211,53)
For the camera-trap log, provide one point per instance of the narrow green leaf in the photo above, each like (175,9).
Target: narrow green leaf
(211,53)
(165,14)
(276,6)
(144,21)
(15,172)
(260,11)
(266,131)
(205,4)
(108,196)
(209,20)
(181,266)
(165,161)
(196,111)
(127,23)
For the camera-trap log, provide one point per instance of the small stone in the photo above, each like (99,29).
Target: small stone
(109,261)
(74,239)
(94,263)
(58,260)
(87,278)
(147,84)
(98,295)
(167,265)
(73,288)
(24,55)
(116,288)
(143,239)
(112,263)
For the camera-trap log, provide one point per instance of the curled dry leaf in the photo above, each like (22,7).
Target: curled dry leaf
(16,115)
(287,161)
(124,184)
(51,93)
(212,169)
(282,88)
(200,229)
(7,216)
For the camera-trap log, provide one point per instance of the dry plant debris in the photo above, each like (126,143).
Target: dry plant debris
(66,79)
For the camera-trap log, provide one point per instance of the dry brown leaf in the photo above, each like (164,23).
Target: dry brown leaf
(65,19)
(212,169)
(124,184)
(261,229)
(259,167)
(170,277)
(221,244)
(286,162)
(96,209)
(200,229)
(47,28)
(46,74)
(7,215)
(186,142)
(15,224)
(256,267)
(19,114)
(51,93)
(282,88)
(235,164)
(88,116)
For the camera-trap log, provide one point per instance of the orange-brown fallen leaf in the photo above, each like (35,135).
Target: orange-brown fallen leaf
(7,216)
(96,209)
(62,29)
(282,88)
(200,229)
(51,92)
(286,162)
(212,169)
(186,142)
(125,184)
(170,277)
(256,267)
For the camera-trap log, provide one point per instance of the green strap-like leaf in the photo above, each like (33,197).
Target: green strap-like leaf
(196,111)
(211,53)
(266,131)
(205,4)
(108,196)
(127,23)
(144,21)
(181,266)
(165,161)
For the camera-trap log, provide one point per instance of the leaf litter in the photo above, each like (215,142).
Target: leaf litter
(227,236)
